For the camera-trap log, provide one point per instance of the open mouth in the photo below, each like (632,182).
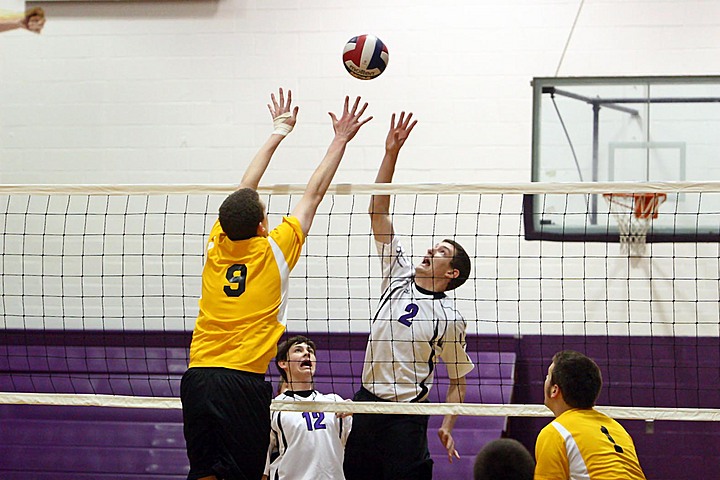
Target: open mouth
(425,262)
(306,363)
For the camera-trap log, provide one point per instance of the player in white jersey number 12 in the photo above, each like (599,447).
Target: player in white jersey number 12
(304,445)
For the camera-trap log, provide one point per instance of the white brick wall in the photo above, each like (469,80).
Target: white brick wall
(175,92)
(146,92)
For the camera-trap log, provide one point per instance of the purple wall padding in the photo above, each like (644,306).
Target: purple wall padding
(643,371)
(681,372)
(116,363)
(54,443)
(90,442)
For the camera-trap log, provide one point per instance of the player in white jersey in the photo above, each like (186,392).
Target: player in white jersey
(309,445)
(415,323)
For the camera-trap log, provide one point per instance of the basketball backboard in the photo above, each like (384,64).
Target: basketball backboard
(624,129)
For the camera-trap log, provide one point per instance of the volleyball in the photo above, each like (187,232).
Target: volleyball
(365,57)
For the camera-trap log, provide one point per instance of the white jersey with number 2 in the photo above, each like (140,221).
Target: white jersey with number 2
(411,329)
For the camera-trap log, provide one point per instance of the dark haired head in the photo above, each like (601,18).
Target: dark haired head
(461,262)
(284,348)
(241,213)
(578,378)
(504,459)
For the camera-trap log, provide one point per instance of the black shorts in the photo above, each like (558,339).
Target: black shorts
(226,422)
(387,447)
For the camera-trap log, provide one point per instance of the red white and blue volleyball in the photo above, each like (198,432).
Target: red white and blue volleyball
(365,57)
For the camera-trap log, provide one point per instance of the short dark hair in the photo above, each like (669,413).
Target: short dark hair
(240,214)
(284,348)
(578,377)
(504,459)
(461,262)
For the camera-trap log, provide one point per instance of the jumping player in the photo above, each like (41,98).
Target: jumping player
(225,398)
(414,324)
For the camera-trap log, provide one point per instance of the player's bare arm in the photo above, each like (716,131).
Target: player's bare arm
(455,394)
(345,128)
(32,20)
(380,204)
(284,119)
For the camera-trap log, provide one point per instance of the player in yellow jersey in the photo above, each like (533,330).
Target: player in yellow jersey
(225,398)
(581,443)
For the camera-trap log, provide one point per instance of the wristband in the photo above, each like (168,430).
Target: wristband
(280,127)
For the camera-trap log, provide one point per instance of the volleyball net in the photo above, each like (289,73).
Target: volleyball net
(100,285)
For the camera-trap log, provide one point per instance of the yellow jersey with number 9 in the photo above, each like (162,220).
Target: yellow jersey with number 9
(244,298)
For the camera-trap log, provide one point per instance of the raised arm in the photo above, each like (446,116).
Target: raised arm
(283,121)
(32,20)
(455,394)
(345,129)
(379,210)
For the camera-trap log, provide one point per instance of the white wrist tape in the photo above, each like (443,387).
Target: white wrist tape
(280,127)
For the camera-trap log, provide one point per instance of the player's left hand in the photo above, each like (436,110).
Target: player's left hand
(449,443)
(399,132)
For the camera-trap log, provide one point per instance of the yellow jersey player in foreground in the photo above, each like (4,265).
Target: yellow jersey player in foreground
(225,398)
(581,443)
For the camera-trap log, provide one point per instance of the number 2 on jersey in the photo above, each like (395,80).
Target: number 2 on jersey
(236,275)
(412,310)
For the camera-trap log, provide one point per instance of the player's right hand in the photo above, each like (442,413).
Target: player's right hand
(349,123)
(283,118)
(34,20)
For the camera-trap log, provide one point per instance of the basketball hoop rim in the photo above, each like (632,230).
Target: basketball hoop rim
(642,205)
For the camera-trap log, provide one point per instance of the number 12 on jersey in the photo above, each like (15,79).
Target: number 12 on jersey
(318,424)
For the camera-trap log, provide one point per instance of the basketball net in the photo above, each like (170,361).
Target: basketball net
(634,213)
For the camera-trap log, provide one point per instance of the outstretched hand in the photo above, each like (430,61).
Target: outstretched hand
(283,118)
(449,443)
(34,20)
(399,132)
(349,123)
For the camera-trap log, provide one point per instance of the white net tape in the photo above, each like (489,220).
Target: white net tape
(488,410)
